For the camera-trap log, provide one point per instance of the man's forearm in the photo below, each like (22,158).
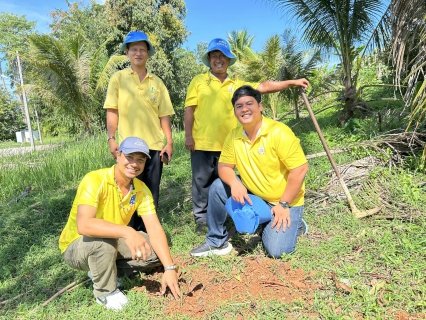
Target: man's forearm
(112,121)
(294,183)
(188,121)
(166,126)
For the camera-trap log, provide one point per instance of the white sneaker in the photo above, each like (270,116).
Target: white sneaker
(89,274)
(115,300)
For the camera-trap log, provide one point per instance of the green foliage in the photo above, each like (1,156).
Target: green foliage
(88,21)
(240,42)
(13,32)
(10,117)
(343,28)
(64,76)
(161,20)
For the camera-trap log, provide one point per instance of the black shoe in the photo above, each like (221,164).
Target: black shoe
(201,228)
(205,250)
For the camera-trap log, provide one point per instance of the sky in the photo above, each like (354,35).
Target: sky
(205,20)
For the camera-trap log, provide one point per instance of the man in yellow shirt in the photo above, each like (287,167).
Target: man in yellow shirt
(96,237)
(138,103)
(272,166)
(209,118)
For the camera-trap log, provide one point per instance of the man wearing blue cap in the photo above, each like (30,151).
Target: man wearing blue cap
(96,237)
(138,103)
(209,118)
(272,166)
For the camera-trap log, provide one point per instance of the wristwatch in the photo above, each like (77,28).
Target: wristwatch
(171,267)
(111,137)
(284,204)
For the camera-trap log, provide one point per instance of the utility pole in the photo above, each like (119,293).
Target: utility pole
(4,84)
(38,126)
(24,97)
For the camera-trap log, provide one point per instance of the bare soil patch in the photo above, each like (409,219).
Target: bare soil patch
(205,287)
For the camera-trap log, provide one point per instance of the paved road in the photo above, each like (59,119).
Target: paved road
(15,151)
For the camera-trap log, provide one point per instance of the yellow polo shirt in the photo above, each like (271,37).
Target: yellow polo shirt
(264,164)
(98,189)
(213,114)
(140,105)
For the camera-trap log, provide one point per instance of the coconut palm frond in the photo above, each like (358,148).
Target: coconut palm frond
(114,63)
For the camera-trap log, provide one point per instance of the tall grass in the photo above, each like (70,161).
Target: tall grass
(58,167)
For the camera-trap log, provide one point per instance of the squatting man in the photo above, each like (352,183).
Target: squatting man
(272,166)
(97,237)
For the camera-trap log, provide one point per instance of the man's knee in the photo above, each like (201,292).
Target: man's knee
(105,246)
(217,189)
(276,251)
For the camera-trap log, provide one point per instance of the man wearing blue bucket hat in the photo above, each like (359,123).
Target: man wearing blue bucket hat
(138,103)
(209,118)
(272,167)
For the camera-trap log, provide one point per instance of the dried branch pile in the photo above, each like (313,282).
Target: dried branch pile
(371,192)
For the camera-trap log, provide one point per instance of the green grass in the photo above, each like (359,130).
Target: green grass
(382,258)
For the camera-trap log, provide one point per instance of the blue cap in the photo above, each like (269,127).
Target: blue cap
(135,36)
(132,145)
(247,217)
(222,46)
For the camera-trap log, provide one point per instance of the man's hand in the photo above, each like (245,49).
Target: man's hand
(138,245)
(302,83)
(239,192)
(168,148)
(113,147)
(170,279)
(189,143)
(281,217)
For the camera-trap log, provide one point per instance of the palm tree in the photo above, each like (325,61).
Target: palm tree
(240,42)
(342,27)
(283,59)
(64,75)
(408,52)
(298,63)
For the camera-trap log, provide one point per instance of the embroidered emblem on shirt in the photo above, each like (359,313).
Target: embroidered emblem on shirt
(230,89)
(261,150)
(132,200)
(152,90)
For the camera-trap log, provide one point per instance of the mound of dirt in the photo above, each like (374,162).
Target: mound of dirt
(204,287)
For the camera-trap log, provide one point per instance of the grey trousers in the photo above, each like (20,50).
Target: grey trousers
(106,257)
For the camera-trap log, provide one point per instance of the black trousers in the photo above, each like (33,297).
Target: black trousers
(151,176)
(204,172)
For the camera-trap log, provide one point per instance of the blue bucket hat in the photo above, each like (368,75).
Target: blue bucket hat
(134,144)
(222,46)
(135,36)
(247,217)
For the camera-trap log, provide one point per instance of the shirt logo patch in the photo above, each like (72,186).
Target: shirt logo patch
(152,90)
(132,200)
(230,89)
(261,150)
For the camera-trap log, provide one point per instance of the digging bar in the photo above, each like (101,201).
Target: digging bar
(355,211)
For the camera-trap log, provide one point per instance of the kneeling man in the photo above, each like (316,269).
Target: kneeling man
(96,237)
(271,165)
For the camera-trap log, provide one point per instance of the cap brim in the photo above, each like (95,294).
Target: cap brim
(127,152)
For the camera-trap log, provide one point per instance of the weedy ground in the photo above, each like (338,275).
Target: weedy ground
(344,268)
